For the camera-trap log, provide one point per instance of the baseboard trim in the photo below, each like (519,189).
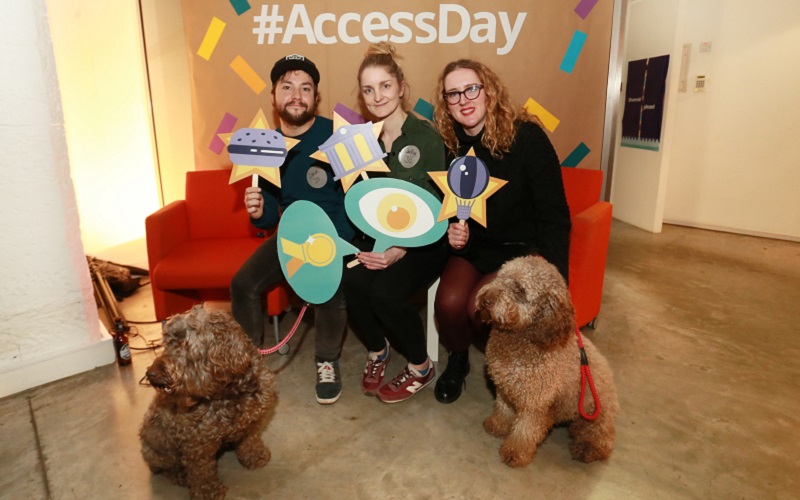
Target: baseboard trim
(58,366)
(758,234)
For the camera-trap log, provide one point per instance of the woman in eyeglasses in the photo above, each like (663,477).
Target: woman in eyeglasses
(528,215)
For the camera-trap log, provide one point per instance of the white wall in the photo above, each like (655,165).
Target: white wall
(638,185)
(49,326)
(734,163)
(100,60)
(728,155)
(172,100)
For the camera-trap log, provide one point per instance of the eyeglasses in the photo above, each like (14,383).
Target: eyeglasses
(471,93)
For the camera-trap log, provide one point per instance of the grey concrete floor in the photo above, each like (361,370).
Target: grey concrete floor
(700,328)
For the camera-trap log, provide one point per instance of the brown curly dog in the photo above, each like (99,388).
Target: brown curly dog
(534,360)
(213,393)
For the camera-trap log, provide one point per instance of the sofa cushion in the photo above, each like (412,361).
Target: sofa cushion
(203,264)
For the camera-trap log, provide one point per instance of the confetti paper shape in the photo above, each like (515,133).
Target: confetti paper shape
(549,121)
(210,40)
(240,6)
(577,155)
(348,114)
(424,109)
(573,51)
(585,7)
(248,75)
(225,125)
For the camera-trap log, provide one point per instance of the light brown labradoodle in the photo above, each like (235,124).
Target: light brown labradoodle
(214,393)
(534,360)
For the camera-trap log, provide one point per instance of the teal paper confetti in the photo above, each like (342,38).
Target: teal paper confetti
(573,51)
(424,109)
(240,6)
(577,155)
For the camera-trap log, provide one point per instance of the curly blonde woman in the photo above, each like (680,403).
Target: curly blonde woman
(528,216)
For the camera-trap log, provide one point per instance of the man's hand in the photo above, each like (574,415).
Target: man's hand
(254,202)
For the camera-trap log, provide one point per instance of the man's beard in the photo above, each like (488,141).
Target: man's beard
(298,120)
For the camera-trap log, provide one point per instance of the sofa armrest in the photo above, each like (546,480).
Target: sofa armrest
(165,229)
(589,238)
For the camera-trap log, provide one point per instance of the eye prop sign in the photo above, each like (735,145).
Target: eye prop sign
(394,212)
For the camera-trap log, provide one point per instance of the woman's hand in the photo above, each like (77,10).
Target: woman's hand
(381,260)
(254,202)
(457,235)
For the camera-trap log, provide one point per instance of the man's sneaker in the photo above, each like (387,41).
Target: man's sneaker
(373,372)
(406,384)
(329,382)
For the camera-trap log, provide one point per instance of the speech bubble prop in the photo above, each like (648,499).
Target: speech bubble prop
(466,186)
(394,212)
(310,252)
(352,150)
(257,151)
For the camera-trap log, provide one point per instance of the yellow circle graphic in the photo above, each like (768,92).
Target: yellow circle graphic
(396,212)
(321,250)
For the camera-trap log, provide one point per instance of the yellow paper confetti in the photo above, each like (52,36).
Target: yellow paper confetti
(211,39)
(248,74)
(549,121)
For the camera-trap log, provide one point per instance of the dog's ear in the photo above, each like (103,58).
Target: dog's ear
(554,316)
(230,352)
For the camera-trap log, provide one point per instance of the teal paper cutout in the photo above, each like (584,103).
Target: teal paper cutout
(310,252)
(394,212)
(577,155)
(424,109)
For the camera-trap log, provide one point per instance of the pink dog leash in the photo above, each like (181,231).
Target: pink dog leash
(288,335)
(586,378)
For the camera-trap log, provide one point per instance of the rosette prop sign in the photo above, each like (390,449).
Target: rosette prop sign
(310,252)
(466,186)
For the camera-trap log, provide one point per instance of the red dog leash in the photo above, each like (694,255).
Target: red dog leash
(288,336)
(586,379)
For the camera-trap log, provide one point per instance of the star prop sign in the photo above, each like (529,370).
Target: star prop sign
(465,197)
(257,150)
(352,150)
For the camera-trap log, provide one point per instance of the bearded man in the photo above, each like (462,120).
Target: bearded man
(295,97)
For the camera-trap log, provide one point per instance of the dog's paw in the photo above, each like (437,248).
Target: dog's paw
(586,452)
(254,455)
(515,456)
(213,490)
(496,426)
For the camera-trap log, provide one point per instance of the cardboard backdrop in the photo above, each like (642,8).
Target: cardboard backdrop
(552,55)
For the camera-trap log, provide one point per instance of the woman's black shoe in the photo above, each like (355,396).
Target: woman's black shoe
(451,381)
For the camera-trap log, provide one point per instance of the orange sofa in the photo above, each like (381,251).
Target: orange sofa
(588,247)
(196,245)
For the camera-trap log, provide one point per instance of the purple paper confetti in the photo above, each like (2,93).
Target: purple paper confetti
(225,126)
(348,114)
(585,7)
